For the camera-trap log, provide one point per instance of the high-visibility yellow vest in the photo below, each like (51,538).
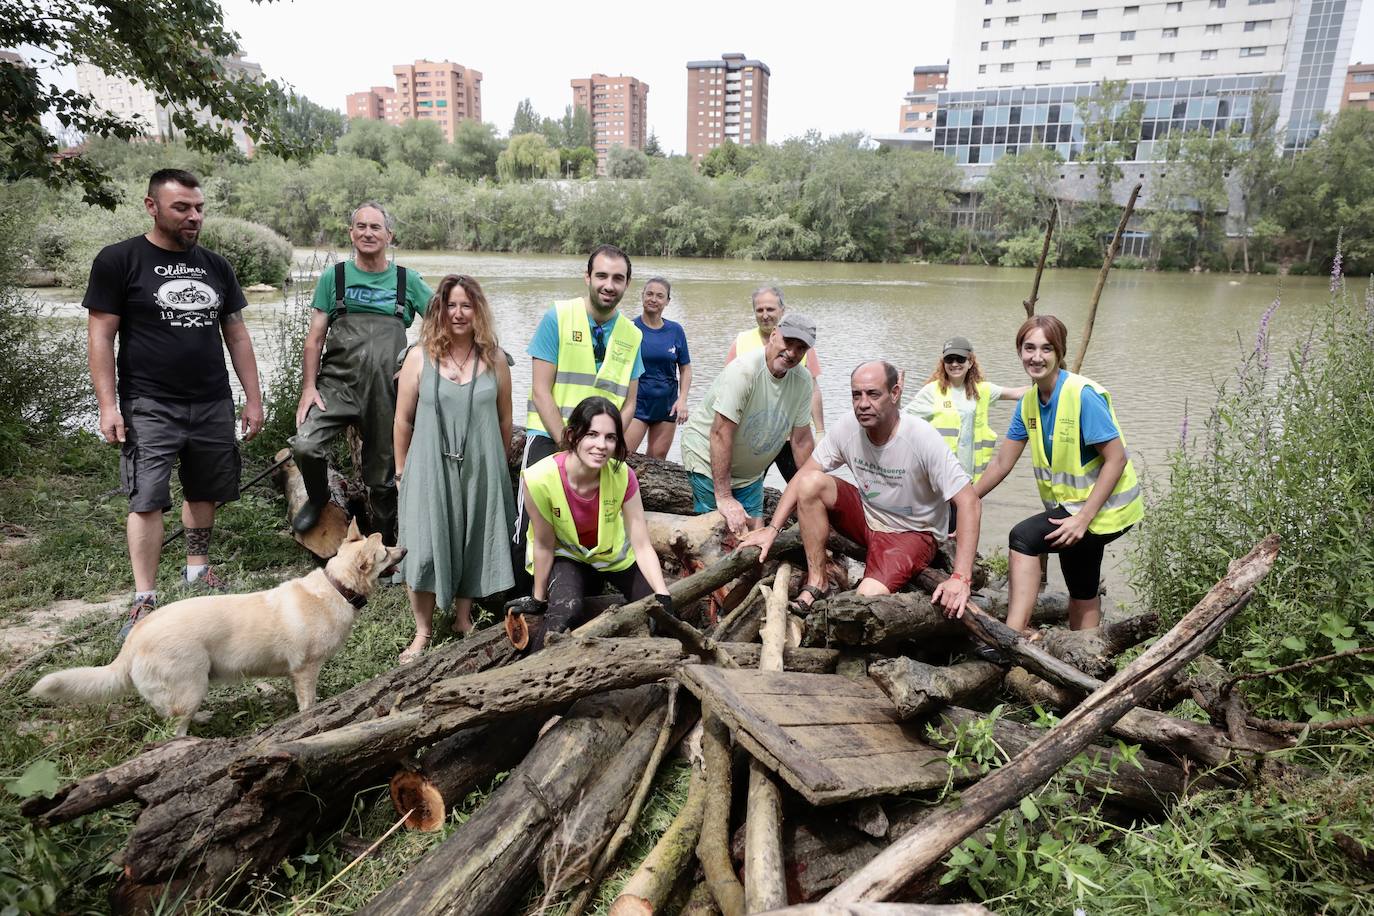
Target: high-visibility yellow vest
(576,376)
(948,423)
(612,552)
(1066,480)
(746,341)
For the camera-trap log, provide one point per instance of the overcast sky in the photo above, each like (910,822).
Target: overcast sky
(841,66)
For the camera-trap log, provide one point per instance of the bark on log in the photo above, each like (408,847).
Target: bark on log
(447,772)
(684,591)
(694,541)
(1149,788)
(1094,651)
(916,688)
(674,725)
(1185,739)
(484,866)
(324,539)
(924,846)
(713,848)
(882,620)
(764,885)
(652,882)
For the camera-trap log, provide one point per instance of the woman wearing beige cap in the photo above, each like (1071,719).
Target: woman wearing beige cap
(955,400)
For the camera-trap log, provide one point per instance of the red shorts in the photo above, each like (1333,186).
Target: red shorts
(893,556)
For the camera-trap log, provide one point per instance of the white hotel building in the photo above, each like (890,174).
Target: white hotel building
(1020,68)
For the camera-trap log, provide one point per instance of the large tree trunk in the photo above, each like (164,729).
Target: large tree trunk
(851,619)
(924,846)
(487,864)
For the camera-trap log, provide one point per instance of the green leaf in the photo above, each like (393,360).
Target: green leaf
(1028,809)
(41,778)
(1296,643)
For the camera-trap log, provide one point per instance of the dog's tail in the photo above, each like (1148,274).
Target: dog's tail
(87,685)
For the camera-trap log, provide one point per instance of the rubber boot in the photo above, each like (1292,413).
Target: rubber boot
(315,476)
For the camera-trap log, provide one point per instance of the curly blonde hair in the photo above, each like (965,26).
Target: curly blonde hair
(971,380)
(436,334)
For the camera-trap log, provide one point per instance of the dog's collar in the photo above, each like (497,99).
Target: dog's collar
(356,599)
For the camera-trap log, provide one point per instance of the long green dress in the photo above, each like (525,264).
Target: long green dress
(456,515)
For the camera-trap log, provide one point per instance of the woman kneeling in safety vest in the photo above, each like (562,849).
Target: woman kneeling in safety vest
(587,524)
(1082,470)
(955,400)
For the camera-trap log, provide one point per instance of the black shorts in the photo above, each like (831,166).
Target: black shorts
(1081,563)
(157,433)
(655,408)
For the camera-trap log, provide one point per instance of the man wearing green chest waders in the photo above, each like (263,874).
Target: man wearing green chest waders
(362,309)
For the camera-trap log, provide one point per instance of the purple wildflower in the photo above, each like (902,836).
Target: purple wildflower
(1262,337)
(1183,427)
(1336,274)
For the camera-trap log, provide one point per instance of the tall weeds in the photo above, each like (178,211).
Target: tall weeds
(1287,448)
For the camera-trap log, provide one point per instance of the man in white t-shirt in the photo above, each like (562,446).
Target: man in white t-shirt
(906,476)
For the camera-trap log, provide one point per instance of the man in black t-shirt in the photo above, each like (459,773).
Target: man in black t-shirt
(170,303)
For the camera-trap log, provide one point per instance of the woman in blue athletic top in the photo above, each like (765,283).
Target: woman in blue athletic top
(661,405)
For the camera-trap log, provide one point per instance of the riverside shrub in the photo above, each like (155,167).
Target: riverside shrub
(257,254)
(1288,448)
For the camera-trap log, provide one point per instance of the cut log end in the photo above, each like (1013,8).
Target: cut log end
(629,905)
(411,791)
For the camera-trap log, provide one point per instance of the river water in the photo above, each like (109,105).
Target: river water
(1160,344)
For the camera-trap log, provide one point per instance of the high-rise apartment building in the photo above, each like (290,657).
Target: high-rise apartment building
(727,99)
(918,110)
(1021,69)
(126,98)
(619,109)
(427,90)
(1359,87)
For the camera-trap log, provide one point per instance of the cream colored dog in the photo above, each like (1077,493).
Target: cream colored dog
(171,655)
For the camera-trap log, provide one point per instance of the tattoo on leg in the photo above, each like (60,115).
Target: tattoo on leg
(198,541)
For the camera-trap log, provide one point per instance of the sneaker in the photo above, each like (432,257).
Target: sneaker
(207,580)
(141,608)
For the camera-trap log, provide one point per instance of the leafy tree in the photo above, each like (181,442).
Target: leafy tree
(652,149)
(577,127)
(623,162)
(1020,190)
(925,186)
(1198,164)
(176,48)
(1111,132)
(727,159)
(1258,168)
(472,154)
(1329,189)
(367,139)
(306,124)
(526,119)
(577,162)
(417,143)
(527,156)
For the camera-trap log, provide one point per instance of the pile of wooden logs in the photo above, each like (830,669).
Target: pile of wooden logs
(813,761)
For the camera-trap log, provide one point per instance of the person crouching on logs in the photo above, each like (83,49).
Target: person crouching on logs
(1082,471)
(587,525)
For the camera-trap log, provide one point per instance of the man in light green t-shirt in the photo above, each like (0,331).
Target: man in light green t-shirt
(758,402)
(356,334)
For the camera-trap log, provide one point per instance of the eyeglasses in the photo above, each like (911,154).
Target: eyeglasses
(953,360)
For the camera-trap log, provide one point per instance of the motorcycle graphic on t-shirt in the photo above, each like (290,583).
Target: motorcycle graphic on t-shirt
(188,303)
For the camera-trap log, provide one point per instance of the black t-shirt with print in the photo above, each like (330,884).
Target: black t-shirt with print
(170,304)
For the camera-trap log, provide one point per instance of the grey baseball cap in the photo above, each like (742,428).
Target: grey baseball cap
(797,326)
(959,346)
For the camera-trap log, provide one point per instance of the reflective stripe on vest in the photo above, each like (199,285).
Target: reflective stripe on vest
(1065,480)
(948,423)
(576,377)
(612,552)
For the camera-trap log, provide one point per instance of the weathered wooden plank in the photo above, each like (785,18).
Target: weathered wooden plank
(791,711)
(829,742)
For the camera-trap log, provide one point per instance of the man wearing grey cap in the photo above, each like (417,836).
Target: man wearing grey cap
(758,402)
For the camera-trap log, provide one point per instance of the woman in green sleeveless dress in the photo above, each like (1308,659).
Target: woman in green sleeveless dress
(453,428)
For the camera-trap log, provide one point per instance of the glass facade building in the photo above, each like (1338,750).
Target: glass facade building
(981,126)
(1317,69)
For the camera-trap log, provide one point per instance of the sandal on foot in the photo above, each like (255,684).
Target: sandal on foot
(797,606)
(409,655)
